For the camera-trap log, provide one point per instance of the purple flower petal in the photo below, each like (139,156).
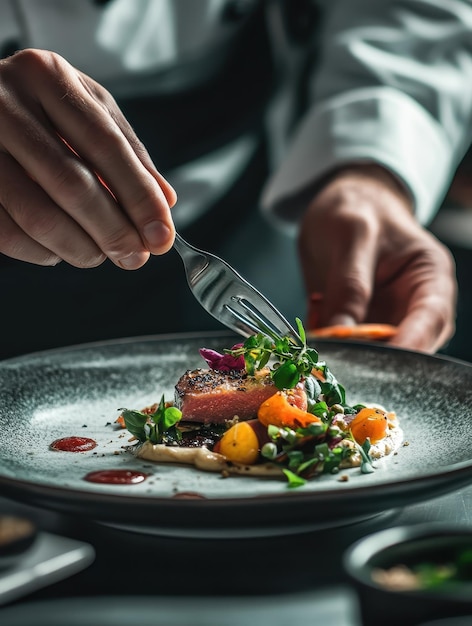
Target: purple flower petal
(223,362)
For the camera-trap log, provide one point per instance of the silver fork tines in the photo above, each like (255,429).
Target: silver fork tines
(253,317)
(228,297)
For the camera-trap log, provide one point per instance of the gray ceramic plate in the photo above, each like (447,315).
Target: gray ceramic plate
(78,391)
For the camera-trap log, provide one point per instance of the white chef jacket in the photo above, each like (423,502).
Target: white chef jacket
(393,86)
(392,83)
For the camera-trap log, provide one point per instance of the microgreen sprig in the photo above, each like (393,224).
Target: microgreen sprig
(364,451)
(306,452)
(290,362)
(157,427)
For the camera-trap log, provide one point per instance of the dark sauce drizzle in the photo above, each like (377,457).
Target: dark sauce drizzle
(73,444)
(116,477)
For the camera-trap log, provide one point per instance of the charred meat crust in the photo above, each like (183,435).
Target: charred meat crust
(207,380)
(210,396)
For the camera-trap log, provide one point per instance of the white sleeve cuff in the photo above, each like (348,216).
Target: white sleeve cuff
(378,125)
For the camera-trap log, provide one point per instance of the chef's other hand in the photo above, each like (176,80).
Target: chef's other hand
(367,259)
(76,184)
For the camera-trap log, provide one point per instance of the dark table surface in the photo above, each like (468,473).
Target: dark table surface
(300,574)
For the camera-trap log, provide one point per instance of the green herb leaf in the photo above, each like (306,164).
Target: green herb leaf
(294,480)
(291,362)
(301,330)
(159,427)
(295,458)
(366,463)
(135,422)
(320,409)
(171,416)
(286,376)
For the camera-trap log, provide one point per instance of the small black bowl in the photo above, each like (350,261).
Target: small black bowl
(408,546)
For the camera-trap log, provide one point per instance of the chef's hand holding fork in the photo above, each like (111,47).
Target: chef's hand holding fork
(76,184)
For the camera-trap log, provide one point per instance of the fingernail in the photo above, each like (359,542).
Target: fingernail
(341,319)
(134,260)
(156,234)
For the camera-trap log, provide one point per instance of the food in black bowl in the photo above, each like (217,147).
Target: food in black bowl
(408,575)
(17,535)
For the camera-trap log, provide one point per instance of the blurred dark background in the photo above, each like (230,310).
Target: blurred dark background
(207,131)
(205,126)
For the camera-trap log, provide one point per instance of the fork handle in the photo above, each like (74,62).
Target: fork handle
(194,260)
(182,246)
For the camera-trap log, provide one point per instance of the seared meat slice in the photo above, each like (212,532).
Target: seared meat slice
(212,397)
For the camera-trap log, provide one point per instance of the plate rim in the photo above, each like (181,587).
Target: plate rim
(54,497)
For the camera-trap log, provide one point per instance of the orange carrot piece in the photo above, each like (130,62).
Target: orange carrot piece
(369,423)
(278,411)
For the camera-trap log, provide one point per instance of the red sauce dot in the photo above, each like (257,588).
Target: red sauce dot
(73,444)
(188,495)
(116,477)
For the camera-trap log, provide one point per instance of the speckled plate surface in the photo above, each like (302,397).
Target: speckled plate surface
(79,391)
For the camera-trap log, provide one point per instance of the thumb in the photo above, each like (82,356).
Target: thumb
(315,313)
(349,282)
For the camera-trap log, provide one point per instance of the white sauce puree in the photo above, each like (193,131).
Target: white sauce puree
(204,459)
(201,458)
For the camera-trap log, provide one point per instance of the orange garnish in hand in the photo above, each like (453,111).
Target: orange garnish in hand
(370,332)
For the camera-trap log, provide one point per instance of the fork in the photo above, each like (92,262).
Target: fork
(230,298)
